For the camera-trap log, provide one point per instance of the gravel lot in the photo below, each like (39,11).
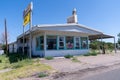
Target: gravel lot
(66,69)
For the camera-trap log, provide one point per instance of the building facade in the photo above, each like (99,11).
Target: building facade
(57,39)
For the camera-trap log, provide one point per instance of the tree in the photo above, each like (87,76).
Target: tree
(2,38)
(2,41)
(94,45)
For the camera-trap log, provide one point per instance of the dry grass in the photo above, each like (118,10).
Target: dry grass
(24,69)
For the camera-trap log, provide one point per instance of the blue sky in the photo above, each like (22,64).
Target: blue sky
(103,15)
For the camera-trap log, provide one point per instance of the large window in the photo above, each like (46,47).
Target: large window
(51,42)
(69,42)
(77,43)
(61,42)
(40,43)
(37,43)
(84,43)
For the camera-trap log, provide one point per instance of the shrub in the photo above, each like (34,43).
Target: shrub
(93,54)
(49,58)
(21,63)
(68,56)
(15,57)
(74,59)
(17,66)
(0,61)
(42,74)
(88,54)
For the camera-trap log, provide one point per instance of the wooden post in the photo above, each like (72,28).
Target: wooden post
(6,39)
(115,46)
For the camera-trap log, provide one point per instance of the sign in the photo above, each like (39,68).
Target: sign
(26,14)
(26,19)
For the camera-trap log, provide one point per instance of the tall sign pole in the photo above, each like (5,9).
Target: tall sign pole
(27,16)
(6,40)
(23,40)
(30,30)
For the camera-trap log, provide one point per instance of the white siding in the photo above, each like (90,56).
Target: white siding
(65,52)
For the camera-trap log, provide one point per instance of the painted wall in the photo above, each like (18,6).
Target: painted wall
(13,48)
(65,52)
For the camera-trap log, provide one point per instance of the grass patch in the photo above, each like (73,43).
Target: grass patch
(68,56)
(42,74)
(74,59)
(49,58)
(87,54)
(23,69)
(93,53)
(4,62)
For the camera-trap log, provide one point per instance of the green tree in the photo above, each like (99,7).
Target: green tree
(95,44)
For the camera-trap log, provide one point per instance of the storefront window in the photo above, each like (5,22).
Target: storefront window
(51,42)
(69,42)
(77,43)
(84,43)
(40,43)
(61,42)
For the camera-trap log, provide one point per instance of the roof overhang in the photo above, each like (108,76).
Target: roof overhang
(100,36)
(78,28)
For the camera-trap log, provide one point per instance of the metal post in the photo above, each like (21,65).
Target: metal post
(23,40)
(31,30)
(44,44)
(115,45)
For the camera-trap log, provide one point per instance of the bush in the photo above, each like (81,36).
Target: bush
(87,54)
(17,66)
(0,61)
(74,59)
(42,74)
(21,63)
(49,58)
(93,54)
(15,57)
(68,56)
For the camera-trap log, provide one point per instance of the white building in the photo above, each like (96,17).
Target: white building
(58,39)
(12,47)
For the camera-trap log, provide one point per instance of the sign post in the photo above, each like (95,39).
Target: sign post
(27,16)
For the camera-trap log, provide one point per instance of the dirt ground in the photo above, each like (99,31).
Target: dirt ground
(66,69)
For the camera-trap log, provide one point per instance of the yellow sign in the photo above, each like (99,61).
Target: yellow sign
(26,19)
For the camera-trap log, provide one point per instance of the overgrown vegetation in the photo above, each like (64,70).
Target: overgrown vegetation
(42,74)
(49,58)
(68,56)
(93,53)
(74,59)
(21,67)
(104,46)
(15,57)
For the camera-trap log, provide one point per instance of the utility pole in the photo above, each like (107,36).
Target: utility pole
(6,40)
